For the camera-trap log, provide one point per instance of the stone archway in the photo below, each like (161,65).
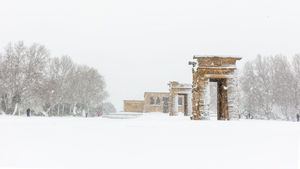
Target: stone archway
(176,90)
(223,71)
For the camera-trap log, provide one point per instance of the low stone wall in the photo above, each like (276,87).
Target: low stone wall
(133,106)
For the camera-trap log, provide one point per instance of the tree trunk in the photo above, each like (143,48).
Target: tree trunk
(74,109)
(70,109)
(16,109)
(58,110)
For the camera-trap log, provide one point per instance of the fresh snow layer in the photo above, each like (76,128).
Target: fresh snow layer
(150,141)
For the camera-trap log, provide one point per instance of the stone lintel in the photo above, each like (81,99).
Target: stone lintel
(218,76)
(216,61)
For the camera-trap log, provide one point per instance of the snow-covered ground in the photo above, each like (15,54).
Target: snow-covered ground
(150,141)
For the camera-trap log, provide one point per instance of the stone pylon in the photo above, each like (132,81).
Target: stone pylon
(223,71)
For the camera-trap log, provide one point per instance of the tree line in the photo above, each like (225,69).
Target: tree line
(50,86)
(270,88)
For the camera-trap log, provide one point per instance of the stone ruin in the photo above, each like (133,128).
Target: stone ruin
(178,99)
(196,97)
(177,89)
(215,69)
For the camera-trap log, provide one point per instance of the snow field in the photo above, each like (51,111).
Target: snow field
(150,141)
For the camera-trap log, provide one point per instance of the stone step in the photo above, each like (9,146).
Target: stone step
(122,115)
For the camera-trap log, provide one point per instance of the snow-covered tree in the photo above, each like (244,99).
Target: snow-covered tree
(30,78)
(249,89)
(296,84)
(108,108)
(22,73)
(270,87)
(282,84)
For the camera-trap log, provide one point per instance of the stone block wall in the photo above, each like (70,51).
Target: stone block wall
(133,106)
(154,101)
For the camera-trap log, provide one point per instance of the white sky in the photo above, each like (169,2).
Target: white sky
(140,45)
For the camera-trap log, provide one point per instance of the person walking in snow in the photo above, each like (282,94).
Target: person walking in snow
(28,112)
(99,113)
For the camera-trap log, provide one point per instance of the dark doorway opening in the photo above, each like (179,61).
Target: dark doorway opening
(165,104)
(213,102)
(222,102)
(184,103)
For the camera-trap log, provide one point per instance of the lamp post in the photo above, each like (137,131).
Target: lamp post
(193,65)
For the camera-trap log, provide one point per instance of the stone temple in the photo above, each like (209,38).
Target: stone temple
(221,70)
(178,99)
(195,100)
(184,90)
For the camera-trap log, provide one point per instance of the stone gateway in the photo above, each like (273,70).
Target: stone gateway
(178,90)
(223,71)
(178,99)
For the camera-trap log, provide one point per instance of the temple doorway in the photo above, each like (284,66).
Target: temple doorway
(222,71)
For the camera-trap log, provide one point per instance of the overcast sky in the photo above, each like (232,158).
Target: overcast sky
(140,45)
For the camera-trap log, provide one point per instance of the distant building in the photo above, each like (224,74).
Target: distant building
(153,102)
(163,101)
(133,106)
(156,102)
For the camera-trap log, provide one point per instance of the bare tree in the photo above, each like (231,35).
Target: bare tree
(282,84)
(271,87)
(296,84)
(52,86)
(21,72)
